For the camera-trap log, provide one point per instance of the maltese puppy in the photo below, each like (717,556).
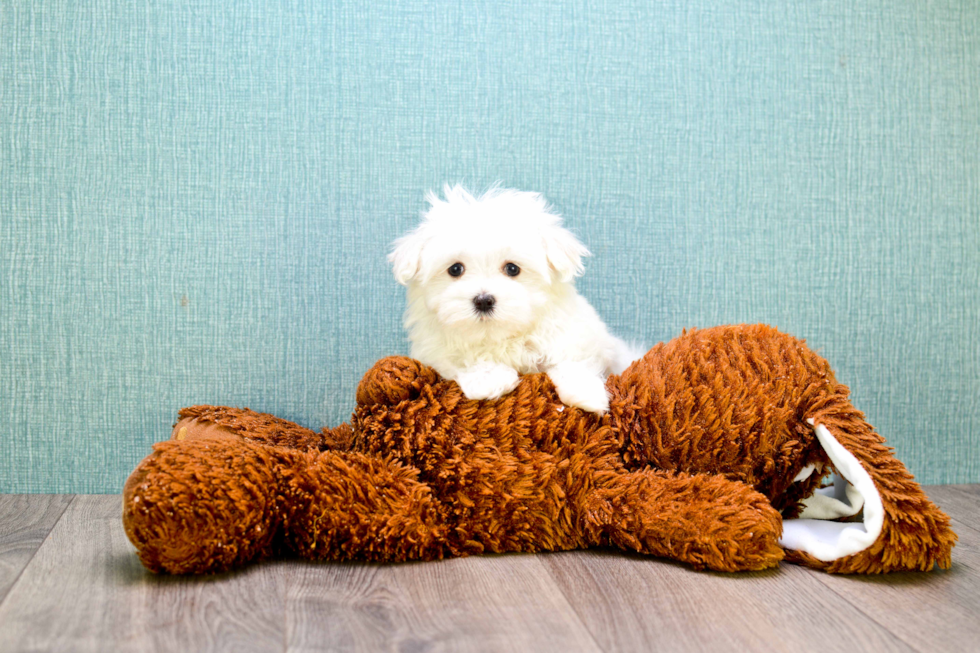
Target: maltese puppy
(491,295)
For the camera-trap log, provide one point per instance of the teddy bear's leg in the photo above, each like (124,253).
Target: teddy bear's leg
(242,423)
(204,505)
(344,506)
(704,520)
(216,503)
(900,529)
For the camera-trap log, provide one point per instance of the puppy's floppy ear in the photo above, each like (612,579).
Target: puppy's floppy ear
(564,252)
(406,257)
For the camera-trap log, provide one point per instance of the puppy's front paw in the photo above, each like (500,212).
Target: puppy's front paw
(487,381)
(580,386)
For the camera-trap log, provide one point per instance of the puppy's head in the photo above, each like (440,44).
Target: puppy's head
(489,263)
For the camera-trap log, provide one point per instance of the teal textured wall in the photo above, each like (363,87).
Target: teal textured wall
(196,198)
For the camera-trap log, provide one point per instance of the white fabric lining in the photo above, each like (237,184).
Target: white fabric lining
(841,499)
(805,473)
(853,490)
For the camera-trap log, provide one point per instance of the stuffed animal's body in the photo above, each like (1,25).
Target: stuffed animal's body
(712,440)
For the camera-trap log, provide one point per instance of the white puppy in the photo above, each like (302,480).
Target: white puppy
(491,295)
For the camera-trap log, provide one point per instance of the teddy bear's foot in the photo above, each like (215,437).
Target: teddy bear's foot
(706,521)
(202,506)
(897,527)
(242,423)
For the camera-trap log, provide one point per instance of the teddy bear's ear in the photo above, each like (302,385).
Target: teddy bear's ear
(406,257)
(564,252)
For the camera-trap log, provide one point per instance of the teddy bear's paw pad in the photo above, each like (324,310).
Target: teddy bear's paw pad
(192,428)
(852,492)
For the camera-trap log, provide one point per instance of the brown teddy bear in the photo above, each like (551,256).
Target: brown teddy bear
(714,452)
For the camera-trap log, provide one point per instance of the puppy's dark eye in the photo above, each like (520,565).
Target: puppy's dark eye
(511,270)
(456,270)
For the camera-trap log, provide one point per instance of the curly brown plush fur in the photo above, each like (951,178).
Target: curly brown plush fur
(695,461)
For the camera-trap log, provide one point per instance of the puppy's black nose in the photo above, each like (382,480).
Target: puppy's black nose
(484,302)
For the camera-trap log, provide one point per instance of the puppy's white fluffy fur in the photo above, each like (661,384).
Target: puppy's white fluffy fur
(537,323)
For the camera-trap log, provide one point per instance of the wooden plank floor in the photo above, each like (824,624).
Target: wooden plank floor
(70,581)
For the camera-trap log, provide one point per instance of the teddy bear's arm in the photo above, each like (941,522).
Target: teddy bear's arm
(394,379)
(355,506)
(704,520)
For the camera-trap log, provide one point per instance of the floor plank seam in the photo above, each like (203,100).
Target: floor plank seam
(285,613)
(959,523)
(969,496)
(578,615)
(54,524)
(958,527)
(859,609)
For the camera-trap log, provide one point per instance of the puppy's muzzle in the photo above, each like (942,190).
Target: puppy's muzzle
(484,303)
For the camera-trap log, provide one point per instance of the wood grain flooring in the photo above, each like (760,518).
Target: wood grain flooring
(70,581)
